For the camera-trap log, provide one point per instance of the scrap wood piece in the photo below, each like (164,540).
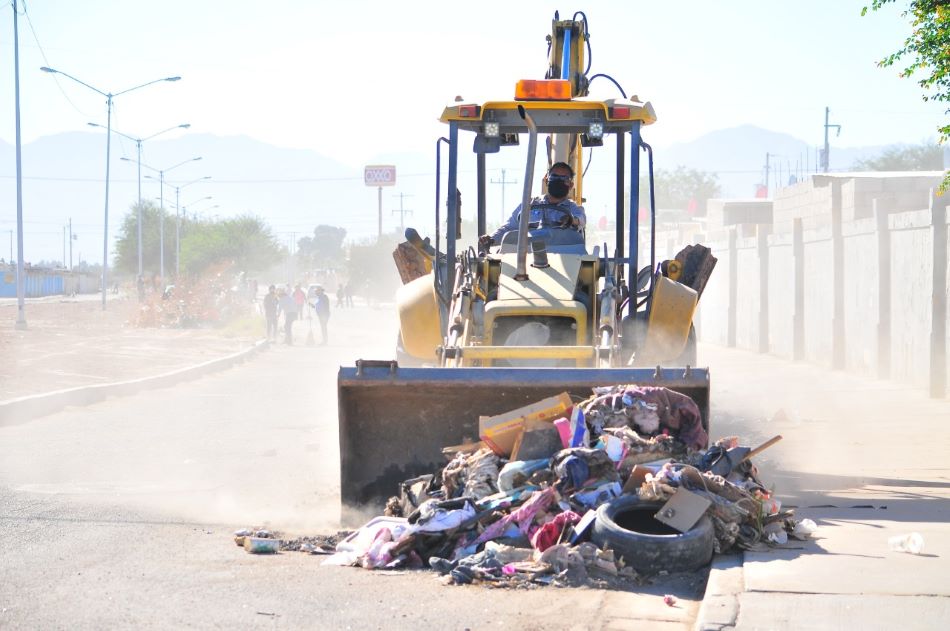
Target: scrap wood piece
(409,262)
(714,483)
(762,447)
(698,264)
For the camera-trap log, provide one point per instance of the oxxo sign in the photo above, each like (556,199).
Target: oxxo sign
(379,175)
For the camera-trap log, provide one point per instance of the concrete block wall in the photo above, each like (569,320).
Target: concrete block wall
(748,299)
(866,294)
(819,296)
(781,295)
(911,263)
(729,212)
(803,199)
(861,296)
(713,315)
(715,305)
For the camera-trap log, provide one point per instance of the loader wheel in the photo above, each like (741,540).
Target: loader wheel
(627,526)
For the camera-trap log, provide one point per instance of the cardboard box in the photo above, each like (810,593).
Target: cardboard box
(500,431)
(537,439)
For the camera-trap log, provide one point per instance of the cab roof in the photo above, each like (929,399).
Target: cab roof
(551,116)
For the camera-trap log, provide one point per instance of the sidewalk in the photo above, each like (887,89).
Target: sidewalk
(72,343)
(864,459)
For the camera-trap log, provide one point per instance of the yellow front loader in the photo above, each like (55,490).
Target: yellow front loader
(541,312)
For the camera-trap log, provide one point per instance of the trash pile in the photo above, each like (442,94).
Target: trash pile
(208,300)
(622,485)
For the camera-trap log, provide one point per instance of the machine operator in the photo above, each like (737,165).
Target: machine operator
(559,180)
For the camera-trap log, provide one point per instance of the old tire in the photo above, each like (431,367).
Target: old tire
(650,546)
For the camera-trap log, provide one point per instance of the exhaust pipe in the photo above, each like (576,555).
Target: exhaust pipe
(522,272)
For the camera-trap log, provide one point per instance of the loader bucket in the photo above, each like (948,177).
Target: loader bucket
(395,421)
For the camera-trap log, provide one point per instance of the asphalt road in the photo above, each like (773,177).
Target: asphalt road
(120,514)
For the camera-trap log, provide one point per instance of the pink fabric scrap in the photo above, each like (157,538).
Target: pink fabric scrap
(523,516)
(548,534)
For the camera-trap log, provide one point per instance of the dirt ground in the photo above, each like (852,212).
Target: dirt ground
(72,342)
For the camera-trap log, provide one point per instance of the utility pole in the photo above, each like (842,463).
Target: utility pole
(503,182)
(402,211)
(71,238)
(825,154)
(768,170)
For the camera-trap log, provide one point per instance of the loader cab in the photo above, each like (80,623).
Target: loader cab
(553,240)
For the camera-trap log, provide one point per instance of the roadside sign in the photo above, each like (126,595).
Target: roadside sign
(379,175)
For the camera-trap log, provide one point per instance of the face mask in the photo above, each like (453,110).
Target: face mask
(558,187)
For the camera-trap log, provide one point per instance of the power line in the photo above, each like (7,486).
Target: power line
(46,61)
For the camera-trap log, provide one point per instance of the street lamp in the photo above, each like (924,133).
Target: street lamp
(105,228)
(184,210)
(178,218)
(138,145)
(185,207)
(161,210)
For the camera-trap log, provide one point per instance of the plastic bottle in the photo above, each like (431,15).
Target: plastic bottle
(912,543)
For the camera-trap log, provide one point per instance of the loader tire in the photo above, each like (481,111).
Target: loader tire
(626,525)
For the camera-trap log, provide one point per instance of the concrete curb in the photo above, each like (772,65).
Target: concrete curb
(34,406)
(720,607)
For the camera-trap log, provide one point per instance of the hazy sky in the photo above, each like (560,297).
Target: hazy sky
(357,78)
(360,79)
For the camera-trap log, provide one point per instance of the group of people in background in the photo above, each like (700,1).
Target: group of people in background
(294,305)
(344,295)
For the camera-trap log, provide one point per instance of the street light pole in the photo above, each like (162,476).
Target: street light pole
(105,224)
(178,219)
(105,229)
(20,271)
(138,146)
(161,211)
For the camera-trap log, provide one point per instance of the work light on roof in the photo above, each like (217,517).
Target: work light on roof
(596,130)
(492,129)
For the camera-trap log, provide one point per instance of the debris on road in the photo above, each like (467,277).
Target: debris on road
(209,300)
(257,541)
(912,543)
(631,489)
(317,544)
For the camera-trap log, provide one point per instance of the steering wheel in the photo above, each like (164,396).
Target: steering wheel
(564,221)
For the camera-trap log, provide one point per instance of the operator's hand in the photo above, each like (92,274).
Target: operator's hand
(484,242)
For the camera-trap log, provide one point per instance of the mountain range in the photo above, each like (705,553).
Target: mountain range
(294,190)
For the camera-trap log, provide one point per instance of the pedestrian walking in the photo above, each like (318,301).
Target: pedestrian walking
(348,290)
(270,313)
(322,306)
(300,298)
(288,307)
